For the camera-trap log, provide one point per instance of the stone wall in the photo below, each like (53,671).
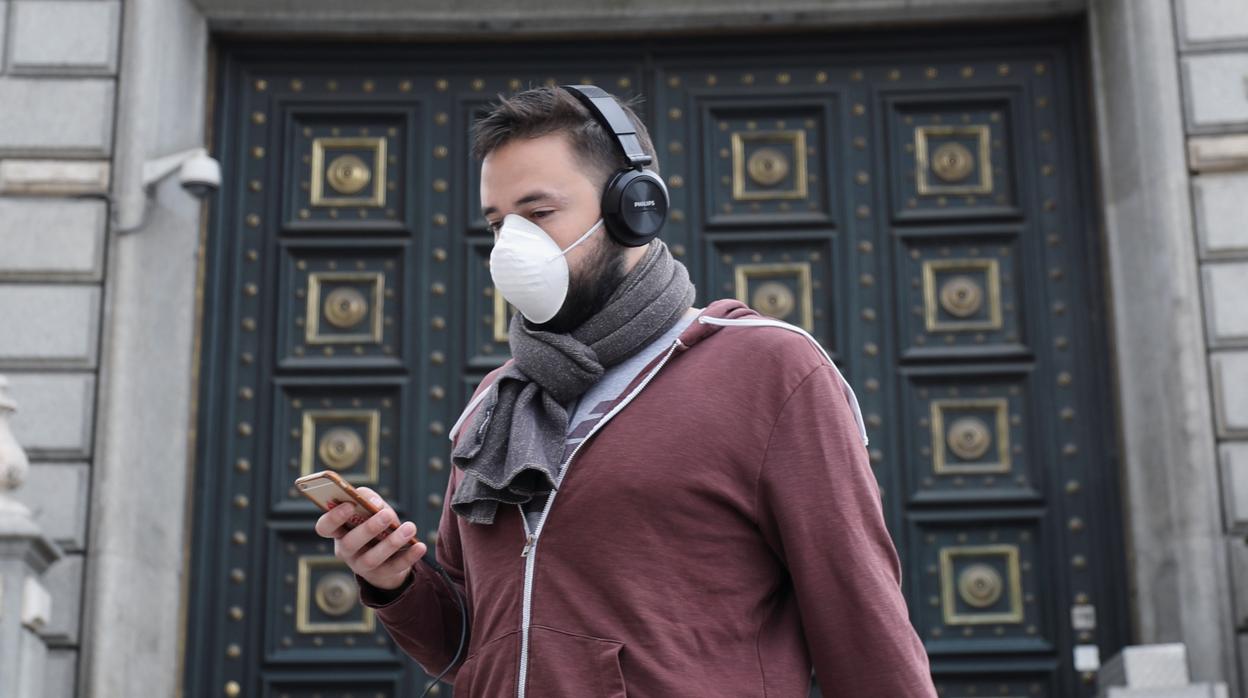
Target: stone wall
(58,68)
(1213,57)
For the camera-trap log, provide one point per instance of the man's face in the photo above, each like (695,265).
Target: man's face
(541,180)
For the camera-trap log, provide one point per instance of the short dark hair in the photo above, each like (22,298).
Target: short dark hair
(541,111)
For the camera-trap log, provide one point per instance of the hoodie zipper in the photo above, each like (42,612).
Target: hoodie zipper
(529,553)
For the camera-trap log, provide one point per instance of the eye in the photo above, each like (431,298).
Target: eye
(492,226)
(541,214)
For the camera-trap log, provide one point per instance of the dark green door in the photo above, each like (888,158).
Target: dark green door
(919,206)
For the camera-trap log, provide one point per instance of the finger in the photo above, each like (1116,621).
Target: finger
(377,555)
(361,536)
(370,496)
(403,560)
(408,554)
(330,524)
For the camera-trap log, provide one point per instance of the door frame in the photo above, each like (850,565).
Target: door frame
(237,58)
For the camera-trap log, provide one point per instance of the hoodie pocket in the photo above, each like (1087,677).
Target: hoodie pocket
(490,670)
(567,664)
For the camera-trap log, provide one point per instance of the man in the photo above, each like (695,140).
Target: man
(649,499)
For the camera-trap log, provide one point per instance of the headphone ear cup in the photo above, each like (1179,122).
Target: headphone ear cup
(667,199)
(634,206)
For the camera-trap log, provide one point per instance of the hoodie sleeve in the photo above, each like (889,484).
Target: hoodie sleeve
(423,616)
(819,510)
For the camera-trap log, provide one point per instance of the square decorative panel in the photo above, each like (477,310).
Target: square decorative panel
(769,165)
(348,171)
(341,306)
(350,306)
(788,280)
(779,291)
(972,436)
(350,429)
(981,584)
(764,163)
(967,438)
(345,172)
(313,603)
(326,598)
(961,297)
(953,159)
(341,440)
(978,588)
(952,156)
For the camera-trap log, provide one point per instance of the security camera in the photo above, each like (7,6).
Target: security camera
(200,175)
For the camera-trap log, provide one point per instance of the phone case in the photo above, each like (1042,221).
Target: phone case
(328,490)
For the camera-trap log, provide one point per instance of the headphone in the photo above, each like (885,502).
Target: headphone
(635,201)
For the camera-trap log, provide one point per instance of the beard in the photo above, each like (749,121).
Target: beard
(589,288)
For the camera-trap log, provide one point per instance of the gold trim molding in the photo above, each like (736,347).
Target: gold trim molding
(799,270)
(370,419)
(796,139)
(312,323)
(376,198)
(1013,584)
(931,294)
(1001,421)
(923,162)
(304,597)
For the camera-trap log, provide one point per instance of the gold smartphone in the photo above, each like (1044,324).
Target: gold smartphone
(327,489)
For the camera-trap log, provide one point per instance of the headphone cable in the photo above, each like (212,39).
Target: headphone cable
(463,624)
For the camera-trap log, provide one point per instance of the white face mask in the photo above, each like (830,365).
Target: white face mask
(529,269)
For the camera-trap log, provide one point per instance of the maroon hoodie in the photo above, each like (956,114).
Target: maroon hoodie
(719,533)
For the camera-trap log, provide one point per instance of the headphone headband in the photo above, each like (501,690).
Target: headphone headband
(607,112)
(634,200)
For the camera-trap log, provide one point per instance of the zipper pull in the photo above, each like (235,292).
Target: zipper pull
(528,545)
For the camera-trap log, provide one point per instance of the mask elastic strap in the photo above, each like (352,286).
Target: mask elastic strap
(584,237)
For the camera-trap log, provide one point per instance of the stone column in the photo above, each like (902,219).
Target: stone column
(1177,550)
(25,553)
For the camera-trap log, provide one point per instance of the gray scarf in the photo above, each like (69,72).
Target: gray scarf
(513,448)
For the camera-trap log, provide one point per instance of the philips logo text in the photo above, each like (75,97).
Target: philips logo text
(643,204)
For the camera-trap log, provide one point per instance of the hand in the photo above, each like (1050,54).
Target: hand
(384,563)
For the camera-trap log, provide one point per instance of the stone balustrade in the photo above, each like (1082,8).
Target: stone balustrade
(25,554)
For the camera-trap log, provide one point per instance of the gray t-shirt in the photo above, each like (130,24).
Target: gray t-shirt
(596,402)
